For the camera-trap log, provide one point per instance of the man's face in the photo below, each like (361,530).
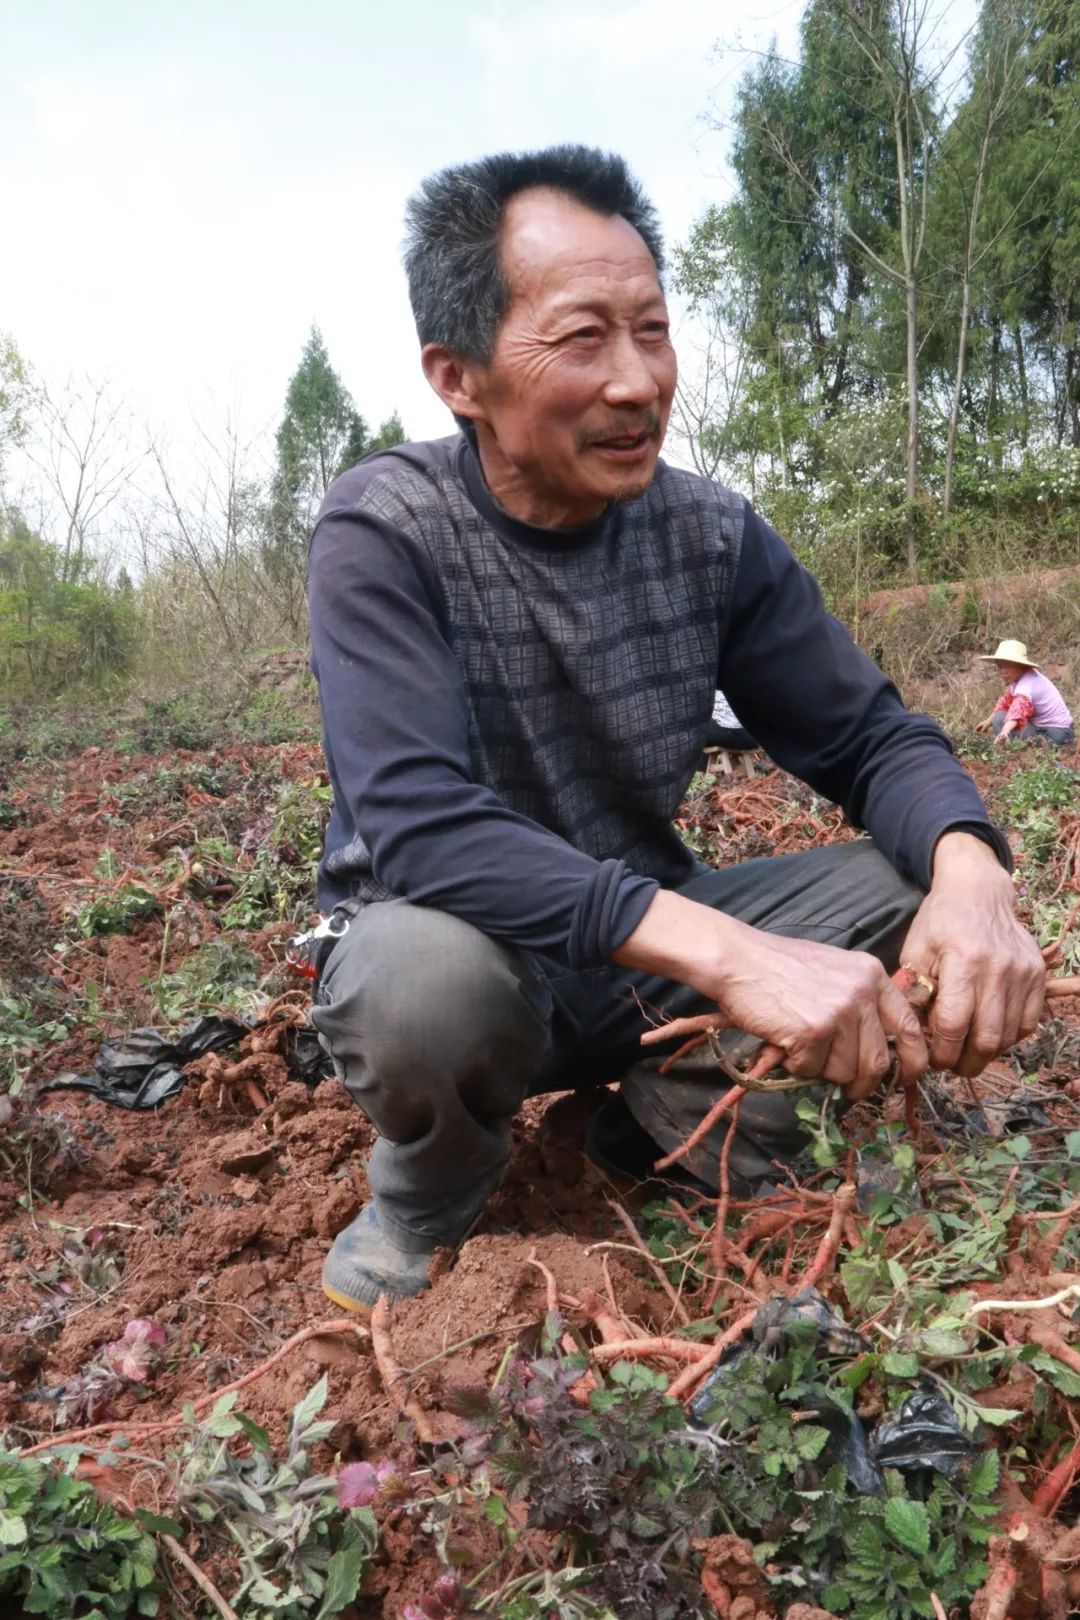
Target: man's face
(574,404)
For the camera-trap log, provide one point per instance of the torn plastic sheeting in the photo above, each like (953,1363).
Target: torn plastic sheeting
(146,1067)
(832,1337)
(1005,1117)
(307,1059)
(924,1433)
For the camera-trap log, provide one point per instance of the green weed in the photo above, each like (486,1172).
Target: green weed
(301,1556)
(116,913)
(221,974)
(1046,786)
(67,1554)
(24,1034)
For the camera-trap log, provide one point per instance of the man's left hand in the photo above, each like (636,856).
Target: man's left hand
(990,975)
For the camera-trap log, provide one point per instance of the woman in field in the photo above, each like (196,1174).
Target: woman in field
(1030,707)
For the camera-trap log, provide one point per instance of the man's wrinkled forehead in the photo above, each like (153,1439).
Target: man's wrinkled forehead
(552,246)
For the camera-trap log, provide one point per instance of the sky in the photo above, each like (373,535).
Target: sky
(186,189)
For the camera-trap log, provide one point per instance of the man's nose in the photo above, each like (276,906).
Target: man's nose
(630,377)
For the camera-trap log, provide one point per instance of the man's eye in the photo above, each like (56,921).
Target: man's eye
(656,328)
(586,333)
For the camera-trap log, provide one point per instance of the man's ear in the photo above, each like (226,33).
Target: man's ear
(453,379)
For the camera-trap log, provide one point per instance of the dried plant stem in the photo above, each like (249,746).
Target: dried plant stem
(1072,1292)
(654,1265)
(719,1245)
(201,1579)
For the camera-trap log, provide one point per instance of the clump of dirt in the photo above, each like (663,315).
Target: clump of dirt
(24,934)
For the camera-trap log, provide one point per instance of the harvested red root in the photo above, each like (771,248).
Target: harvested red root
(1046,1249)
(586,1383)
(392,1375)
(611,1329)
(688,1380)
(1057,1484)
(634,1349)
(549,1282)
(718,1246)
(994,1598)
(821,1267)
(701,1131)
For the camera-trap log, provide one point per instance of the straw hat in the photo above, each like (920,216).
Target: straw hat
(1009,652)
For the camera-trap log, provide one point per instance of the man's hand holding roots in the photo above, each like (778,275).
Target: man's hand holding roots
(835,1015)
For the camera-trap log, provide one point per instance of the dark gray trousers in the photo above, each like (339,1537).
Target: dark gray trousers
(1060,736)
(440,1033)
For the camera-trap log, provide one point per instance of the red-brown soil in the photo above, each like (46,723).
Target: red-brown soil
(217,1213)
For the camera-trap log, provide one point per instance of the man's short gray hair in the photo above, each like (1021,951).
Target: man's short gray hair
(456,285)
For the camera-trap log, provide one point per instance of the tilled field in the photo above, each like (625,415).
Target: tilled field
(506,1444)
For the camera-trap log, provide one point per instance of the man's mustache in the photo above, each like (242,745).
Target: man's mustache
(649,423)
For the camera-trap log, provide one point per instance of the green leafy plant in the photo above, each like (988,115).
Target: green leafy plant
(285,846)
(1046,786)
(23,1034)
(67,1554)
(117,913)
(901,1548)
(624,1475)
(864,1556)
(165,784)
(301,1555)
(222,973)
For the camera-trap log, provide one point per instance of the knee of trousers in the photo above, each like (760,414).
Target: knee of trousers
(873,906)
(413,995)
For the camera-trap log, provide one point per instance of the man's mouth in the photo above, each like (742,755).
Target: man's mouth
(624,444)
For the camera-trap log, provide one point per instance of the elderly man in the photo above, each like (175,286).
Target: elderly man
(517,633)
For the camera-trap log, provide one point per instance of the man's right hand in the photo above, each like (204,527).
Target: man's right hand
(832,1012)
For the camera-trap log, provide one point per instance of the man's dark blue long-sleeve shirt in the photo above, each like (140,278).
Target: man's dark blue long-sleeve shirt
(512,715)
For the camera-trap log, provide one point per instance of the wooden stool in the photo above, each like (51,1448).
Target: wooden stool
(721,757)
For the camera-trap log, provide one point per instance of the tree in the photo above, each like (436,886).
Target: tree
(981,199)
(14,397)
(81,446)
(390,432)
(872,56)
(61,624)
(321,434)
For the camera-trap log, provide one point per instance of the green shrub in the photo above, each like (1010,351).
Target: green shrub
(62,625)
(67,1554)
